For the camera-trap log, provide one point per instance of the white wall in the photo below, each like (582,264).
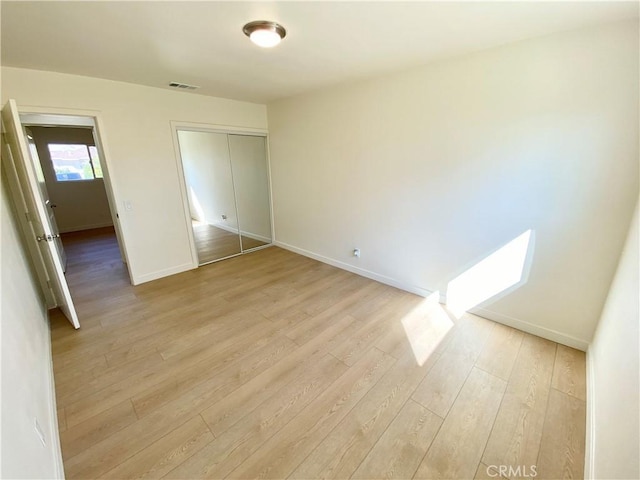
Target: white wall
(81,205)
(207,170)
(430,170)
(27,375)
(140,152)
(614,374)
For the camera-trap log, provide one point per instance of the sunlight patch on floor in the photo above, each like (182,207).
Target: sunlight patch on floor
(426,326)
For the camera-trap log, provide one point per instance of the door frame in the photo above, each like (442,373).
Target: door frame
(213,128)
(94,120)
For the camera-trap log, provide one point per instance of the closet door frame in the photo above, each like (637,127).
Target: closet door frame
(224,129)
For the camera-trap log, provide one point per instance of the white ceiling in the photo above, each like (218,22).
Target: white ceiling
(154,43)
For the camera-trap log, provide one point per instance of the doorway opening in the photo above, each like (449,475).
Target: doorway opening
(46,151)
(74,172)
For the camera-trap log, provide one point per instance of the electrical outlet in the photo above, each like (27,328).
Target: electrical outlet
(40,433)
(356,252)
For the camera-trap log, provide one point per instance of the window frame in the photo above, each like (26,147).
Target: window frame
(90,162)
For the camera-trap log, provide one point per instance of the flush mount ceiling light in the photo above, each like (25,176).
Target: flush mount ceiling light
(264,34)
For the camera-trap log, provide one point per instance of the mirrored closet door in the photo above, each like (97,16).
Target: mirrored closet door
(227,185)
(251,181)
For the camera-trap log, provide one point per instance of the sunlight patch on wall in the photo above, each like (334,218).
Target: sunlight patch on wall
(197,212)
(425,327)
(500,272)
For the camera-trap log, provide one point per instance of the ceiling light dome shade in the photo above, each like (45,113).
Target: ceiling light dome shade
(264,34)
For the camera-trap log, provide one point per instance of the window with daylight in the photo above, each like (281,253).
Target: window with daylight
(75,162)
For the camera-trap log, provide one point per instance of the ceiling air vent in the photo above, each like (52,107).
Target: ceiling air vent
(182,86)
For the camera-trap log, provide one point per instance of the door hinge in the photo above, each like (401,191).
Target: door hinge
(49,284)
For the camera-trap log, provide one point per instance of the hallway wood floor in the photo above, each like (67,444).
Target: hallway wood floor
(272,365)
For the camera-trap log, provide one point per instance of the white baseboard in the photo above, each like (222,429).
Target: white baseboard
(543,332)
(148,277)
(527,327)
(244,233)
(423,292)
(53,426)
(255,236)
(590,445)
(80,228)
(537,330)
(224,226)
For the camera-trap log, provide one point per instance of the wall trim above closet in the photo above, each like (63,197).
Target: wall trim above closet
(230,130)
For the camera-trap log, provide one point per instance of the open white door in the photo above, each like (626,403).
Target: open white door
(41,232)
(42,186)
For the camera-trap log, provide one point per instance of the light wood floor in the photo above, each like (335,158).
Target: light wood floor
(272,365)
(213,243)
